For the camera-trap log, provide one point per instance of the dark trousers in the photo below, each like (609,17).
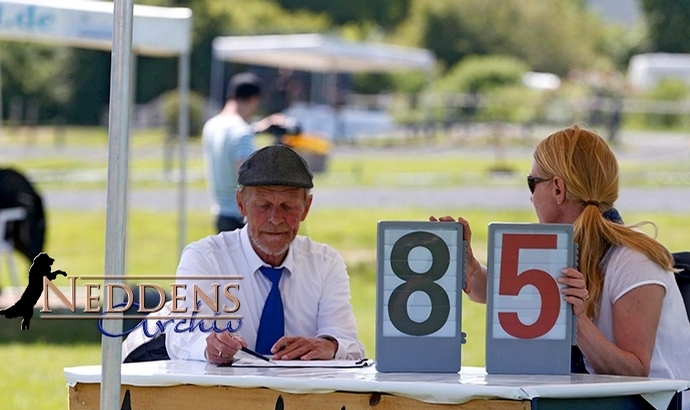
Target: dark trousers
(149,351)
(229,223)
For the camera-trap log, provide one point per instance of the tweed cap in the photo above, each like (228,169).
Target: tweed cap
(275,165)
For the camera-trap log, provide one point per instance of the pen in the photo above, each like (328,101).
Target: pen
(255,354)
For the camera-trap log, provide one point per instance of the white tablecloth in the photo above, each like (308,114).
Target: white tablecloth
(452,388)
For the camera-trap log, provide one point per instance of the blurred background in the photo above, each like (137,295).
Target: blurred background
(519,62)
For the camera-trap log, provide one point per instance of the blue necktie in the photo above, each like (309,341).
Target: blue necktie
(272,324)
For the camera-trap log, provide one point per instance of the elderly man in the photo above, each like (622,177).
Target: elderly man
(293,294)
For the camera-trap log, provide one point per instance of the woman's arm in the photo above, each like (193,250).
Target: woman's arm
(475,272)
(635,320)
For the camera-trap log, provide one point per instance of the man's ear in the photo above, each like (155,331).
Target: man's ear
(307,206)
(239,197)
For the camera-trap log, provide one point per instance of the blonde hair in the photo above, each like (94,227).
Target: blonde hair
(590,171)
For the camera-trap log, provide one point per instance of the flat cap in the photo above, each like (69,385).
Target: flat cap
(275,165)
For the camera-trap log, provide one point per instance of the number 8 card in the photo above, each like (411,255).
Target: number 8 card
(529,327)
(419,281)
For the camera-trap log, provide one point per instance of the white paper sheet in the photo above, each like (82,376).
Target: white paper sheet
(243,360)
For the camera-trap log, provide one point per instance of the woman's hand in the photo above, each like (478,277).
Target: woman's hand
(575,291)
(475,279)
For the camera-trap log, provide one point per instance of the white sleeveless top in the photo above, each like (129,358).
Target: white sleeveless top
(627,269)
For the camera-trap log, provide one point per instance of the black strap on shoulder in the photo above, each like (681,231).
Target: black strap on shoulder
(682,262)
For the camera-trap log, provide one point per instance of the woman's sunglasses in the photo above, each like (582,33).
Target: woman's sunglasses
(533,181)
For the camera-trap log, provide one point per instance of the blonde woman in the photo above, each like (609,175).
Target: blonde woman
(631,316)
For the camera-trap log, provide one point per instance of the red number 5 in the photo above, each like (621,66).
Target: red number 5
(512,281)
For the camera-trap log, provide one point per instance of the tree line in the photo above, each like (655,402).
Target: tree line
(555,36)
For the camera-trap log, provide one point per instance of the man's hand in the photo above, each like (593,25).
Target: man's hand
(222,347)
(278,119)
(304,348)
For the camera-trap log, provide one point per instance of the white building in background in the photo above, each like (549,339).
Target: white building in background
(646,70)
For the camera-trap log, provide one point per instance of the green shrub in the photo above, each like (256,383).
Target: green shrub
(197,105)
(475,78)
(516,104)
(667,90)
(480,74)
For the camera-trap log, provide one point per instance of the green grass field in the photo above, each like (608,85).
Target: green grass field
(80,162)
(33,360)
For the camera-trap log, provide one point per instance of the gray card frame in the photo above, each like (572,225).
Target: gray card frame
(526,355)
(418,347)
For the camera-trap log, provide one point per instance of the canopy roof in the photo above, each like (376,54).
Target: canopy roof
(157,31)
(645,71)
(320,53)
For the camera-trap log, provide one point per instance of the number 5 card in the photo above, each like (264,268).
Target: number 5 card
(529,327)
(419,281)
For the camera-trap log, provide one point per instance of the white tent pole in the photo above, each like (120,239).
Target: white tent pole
(215,93)
(115,230)
(183,131)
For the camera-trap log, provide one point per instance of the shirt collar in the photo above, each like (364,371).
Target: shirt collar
(254,261)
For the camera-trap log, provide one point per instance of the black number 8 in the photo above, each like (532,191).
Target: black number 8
(425,282)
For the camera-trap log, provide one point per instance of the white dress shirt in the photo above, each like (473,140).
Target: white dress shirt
(315,289)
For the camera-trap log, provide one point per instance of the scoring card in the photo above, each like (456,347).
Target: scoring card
(419,281)
(529,327)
